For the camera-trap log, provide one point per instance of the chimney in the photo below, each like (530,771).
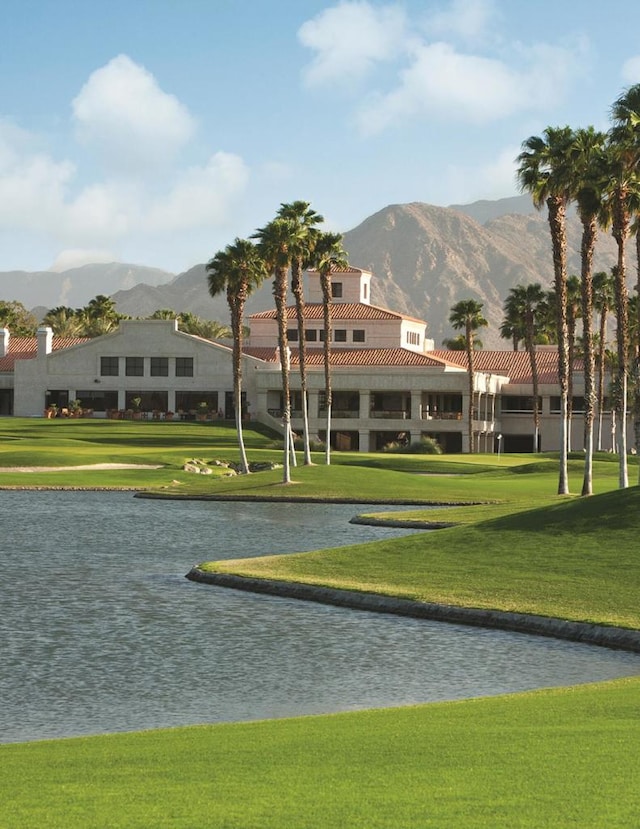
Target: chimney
(4,341)
(45,340)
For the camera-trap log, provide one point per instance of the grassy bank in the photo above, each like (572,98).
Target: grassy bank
(555,758)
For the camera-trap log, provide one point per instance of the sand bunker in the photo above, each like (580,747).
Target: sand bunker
(86,467)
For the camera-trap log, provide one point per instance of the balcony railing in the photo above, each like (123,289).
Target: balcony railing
(390,414)
(442,415)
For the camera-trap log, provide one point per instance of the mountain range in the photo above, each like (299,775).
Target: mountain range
(423,258)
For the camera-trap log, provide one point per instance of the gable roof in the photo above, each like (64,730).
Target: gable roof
(26,348)
(512,364)
(353,357)
(339,311)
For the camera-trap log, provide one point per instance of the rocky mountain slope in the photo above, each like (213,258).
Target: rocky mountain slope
(424,260)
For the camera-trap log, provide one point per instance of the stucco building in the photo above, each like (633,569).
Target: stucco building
(389,382)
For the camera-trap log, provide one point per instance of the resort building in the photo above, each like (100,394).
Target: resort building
(389,382)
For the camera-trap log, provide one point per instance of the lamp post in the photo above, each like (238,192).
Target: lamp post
(499,439)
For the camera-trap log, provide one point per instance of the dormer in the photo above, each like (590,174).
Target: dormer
(351,285)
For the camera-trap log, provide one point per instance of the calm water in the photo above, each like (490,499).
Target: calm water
(100,631)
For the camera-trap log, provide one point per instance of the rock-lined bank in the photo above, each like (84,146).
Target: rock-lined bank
(589,634)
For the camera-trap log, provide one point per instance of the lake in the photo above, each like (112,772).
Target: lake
(101,632)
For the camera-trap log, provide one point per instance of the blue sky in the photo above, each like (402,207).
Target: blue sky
(156,131)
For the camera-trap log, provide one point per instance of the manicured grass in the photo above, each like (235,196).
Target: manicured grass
(577,559)
(553,758)
(556,758)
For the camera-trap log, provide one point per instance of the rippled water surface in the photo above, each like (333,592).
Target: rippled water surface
(100,631)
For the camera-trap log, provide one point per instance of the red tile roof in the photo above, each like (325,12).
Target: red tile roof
(339,311)
(512,364)
(26,348)
(353,357)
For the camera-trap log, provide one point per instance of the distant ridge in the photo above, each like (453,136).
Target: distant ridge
(424,259)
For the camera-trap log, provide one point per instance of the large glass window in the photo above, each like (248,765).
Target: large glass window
(134,366)
(358,335)
(159,366)
(99,401)
(109,366)
(184,366)
(519,404)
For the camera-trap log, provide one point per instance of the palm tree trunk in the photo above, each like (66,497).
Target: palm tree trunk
(296,286)
(472,382)
(588,244)
(533,362)
(280,294)
(236,304)
(620,232)
(325,281)
(636,396)
(601,368)
(557,210)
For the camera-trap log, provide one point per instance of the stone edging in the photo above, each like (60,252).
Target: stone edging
(610,637)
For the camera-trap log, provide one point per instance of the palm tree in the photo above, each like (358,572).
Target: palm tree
(305,220)
(328,256)
(63,321)
(238,270)
(467,315)
(275,242)
(528,303)
(624,158)
(589,163)
(545,171)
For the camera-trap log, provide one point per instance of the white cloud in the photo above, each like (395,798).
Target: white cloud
(445,83)
(76,257)
(349,39)
(129,119)
(631,70)
(202,195)
(469,20)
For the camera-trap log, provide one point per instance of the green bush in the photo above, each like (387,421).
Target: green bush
(424,446)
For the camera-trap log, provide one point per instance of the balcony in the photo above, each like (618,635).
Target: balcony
(442,415)
(390,414)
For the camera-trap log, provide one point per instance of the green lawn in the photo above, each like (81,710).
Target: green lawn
(554,758)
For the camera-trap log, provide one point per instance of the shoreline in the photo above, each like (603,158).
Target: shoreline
(582,632)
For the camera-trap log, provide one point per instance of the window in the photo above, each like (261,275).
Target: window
(336,290)
(358,335)
(364,291)
(109,366)
(340,335)
(577,405)
(311,335)
(184,366)
(159,366)
(292,335)
(519,404)
(134,366)
(99,401)
(413,338)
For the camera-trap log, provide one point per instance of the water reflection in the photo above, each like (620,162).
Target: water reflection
(100,630)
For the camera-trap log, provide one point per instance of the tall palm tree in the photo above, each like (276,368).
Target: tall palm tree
(275,242)
(467,315)
(589,163)
(237,270)
(624,158)
(328,256)
(528,303)
(545,171)
(305,220)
